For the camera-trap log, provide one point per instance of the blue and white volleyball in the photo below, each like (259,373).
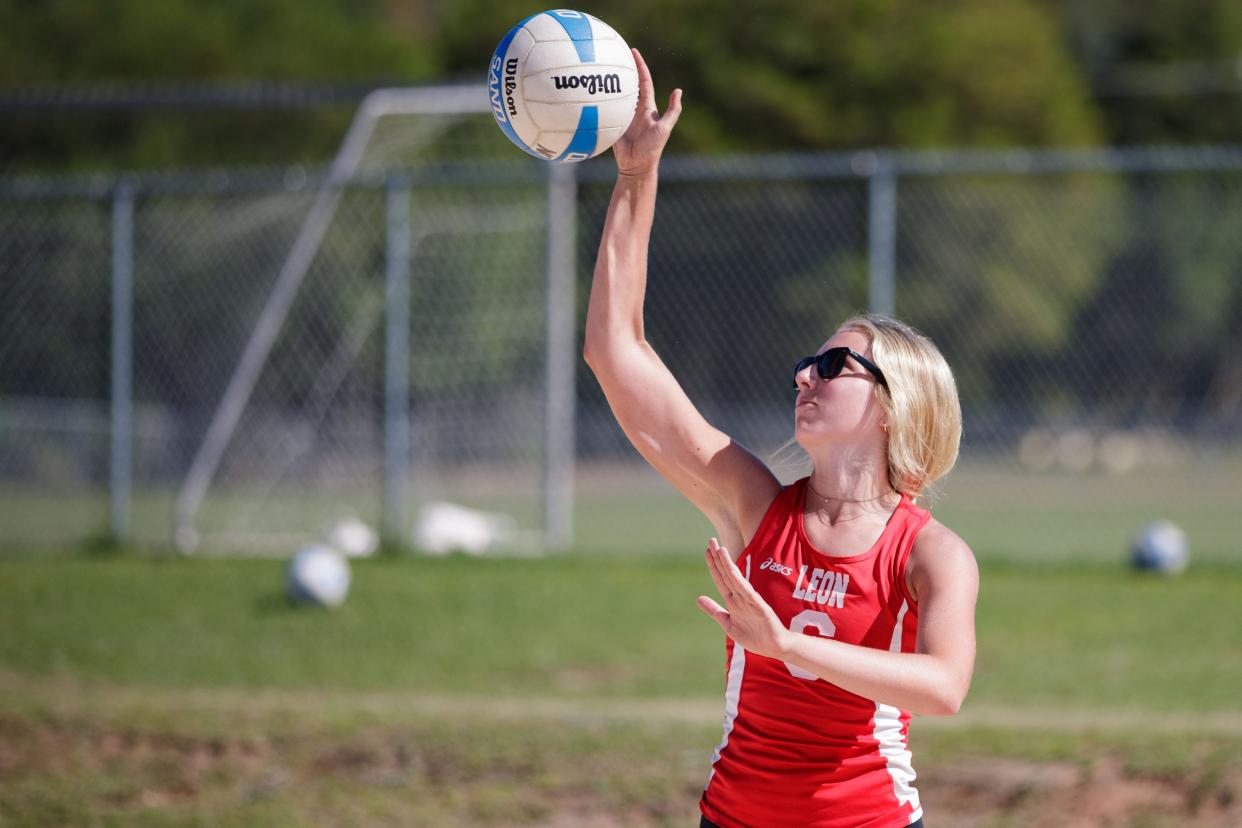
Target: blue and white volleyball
(563,85)
(1160,547)
(317,575)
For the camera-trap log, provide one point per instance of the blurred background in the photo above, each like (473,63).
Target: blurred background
(246,301)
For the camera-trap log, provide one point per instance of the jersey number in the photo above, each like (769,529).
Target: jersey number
(799,623)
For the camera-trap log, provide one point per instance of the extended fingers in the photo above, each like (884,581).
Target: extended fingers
(674,109)
(646,88)
(725,573)
(718,578)
(646,93)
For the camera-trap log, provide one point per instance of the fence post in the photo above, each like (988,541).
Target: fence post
(560,357)
(882,236)
(121,461)
(395,522)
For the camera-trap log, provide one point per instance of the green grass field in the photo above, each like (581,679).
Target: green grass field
(579,690)
(584,689)
(1005,513)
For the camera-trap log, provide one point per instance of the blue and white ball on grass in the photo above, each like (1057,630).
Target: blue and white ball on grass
(318,575)
(563,85)
(1160,547)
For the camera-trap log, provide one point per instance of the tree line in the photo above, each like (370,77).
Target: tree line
(782,75)
(1137,310)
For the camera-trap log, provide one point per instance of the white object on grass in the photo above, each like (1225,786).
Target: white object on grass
(1160,546)
(352,536)
(317,575)
(443,527)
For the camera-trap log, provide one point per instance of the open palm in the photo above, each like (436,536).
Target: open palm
(746,617)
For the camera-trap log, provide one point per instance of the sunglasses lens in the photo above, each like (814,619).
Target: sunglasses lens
(831,362)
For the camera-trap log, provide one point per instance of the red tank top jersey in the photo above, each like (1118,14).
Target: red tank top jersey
(797,750)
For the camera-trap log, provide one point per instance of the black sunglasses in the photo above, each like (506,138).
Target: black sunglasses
(831,362)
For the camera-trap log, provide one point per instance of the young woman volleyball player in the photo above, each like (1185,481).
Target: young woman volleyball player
(847,608)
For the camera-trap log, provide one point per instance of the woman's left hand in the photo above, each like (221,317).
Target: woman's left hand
(746,617)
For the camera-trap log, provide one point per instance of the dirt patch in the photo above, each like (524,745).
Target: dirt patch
(125,766)
(1097,794)
(118,771)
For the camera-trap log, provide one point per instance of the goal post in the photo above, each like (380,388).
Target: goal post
(364,154)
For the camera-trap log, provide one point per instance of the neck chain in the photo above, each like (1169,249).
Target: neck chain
(827,499)
(826,521)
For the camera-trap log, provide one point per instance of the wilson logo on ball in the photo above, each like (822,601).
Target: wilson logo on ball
(607,84)
(511,84)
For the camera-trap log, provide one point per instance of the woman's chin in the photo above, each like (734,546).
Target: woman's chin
(816,435)
(807,438)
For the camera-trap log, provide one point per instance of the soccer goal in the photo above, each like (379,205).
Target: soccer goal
(413,346)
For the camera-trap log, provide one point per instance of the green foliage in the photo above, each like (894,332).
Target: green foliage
(1163,324)
(1045,262)
(132,40)
(787,75)
(81,43)
(64,267)
(1025,255)
(794,75)
(1165,72)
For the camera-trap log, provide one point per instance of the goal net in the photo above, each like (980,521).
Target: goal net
(399,346)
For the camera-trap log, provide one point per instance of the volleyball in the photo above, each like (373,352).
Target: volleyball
(563,85)
(1160,547)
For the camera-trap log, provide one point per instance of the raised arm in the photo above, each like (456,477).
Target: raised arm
(726,482)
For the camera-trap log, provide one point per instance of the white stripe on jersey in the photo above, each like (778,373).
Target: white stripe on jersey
(897,758)
(733,691)
(894,644)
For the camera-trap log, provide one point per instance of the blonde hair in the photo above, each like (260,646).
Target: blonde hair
(923,413)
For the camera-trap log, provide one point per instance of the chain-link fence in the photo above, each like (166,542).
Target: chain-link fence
(1090,303)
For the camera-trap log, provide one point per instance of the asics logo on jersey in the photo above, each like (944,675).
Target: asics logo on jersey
(775,567)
